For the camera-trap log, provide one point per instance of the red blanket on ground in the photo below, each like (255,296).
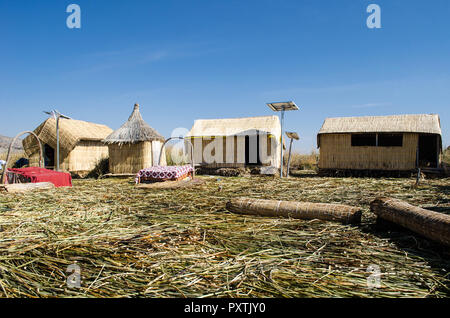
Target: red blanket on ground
(36,174)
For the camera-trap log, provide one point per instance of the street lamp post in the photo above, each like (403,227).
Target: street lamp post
(282,107)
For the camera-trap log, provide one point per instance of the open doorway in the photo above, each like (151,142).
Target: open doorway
(252,156)
(428,151)
(49,157)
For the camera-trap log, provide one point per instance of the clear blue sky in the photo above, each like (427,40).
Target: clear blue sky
(184,60)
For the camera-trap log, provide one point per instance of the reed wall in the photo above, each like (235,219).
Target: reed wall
(336,152)
(83,158)
(130,158)
(233,151)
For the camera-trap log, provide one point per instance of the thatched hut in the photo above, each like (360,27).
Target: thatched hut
(134,146)
(236,142)
(386,143)
(80,145)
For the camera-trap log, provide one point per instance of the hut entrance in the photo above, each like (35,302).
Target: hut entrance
(49,156)
(428,151)
(252,150)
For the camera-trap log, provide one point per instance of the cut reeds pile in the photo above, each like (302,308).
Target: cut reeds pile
(131,242)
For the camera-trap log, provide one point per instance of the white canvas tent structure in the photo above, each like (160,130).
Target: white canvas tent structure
(236,142)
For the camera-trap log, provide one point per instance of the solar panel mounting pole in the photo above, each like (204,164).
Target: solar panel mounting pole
(57,115)
(282,107)
(282,150)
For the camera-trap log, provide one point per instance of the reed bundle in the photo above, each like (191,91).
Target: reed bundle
(433,225)
(297,210)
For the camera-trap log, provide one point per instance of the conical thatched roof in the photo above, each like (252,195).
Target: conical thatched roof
(133,131)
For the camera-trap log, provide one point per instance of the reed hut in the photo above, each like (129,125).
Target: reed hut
(134,146)
(236,142)
(80,143)
(384,143)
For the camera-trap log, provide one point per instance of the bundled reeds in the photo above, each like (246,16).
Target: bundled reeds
(297,210)
(433,225)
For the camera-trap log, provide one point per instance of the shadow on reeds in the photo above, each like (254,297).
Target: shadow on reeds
(100,169)
(303,174)
(435,254)
(445,189)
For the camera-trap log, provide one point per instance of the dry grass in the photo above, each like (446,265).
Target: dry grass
(446,156)
(133,242)
(303,161)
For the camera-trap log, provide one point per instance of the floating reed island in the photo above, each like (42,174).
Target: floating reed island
(131,242)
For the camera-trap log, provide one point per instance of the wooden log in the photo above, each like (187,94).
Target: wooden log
(25,187)
(297,210)
(432,225)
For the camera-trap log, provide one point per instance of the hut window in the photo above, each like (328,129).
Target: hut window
(390,140)
(361,140)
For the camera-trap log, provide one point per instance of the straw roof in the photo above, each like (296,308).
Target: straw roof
(235,126)
(71,132)
(428,124)
(133,131)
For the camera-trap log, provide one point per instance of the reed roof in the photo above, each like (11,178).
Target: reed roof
(235,126)
(134,130)
(422,123)
(71,132)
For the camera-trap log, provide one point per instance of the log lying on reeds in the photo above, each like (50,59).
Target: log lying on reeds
(297,210)
(432,225)
(25,187)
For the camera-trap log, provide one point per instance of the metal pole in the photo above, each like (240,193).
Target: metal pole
(41,153)
(192,152)
(282,121)
(289,158)
(57,142)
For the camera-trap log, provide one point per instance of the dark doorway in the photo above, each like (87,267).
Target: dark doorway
(49,156)
(428,151)
(252,150)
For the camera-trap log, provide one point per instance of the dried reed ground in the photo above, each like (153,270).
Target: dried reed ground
(183,243)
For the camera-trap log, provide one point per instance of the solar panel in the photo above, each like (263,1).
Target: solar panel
(292,135)
(279,106)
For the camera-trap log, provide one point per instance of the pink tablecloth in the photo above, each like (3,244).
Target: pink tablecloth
(164,173)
